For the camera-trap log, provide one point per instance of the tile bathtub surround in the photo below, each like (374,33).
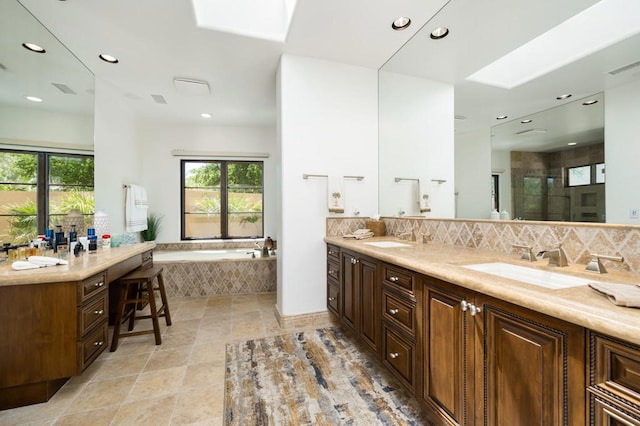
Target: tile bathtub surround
(178,382)
(208,245)
(219,277)
(578,240)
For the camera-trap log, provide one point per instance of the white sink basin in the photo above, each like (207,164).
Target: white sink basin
(552,280)
(387,244)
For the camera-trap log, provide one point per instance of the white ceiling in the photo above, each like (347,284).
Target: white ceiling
(157,40)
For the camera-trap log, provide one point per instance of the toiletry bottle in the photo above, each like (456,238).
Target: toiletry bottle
(59,238)
(73,235)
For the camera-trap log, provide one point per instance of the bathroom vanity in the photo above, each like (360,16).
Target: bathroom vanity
(475,348)
(54,320)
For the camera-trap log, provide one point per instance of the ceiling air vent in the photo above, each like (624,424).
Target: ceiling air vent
(625,68)
(189,86)
(64,88)
(159,99)
(524,132)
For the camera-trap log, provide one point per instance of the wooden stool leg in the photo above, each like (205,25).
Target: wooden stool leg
(116,326)
(154,312)
(163,296)
(137,295)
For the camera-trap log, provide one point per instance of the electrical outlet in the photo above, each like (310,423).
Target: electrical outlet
(634,213)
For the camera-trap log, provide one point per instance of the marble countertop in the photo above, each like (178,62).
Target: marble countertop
(78,268)
(579,305)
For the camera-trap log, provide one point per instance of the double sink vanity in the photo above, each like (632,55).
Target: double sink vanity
(480,337)
(54,320)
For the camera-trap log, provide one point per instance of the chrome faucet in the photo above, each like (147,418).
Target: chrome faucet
(596,266)
(557,256)
(408,235)
(528,254)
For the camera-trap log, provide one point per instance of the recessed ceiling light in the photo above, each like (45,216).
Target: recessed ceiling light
(438,33)
(528,120)
(401,23)
(563,97)
(205,115)
(501,117)
(591,102)
(34,99)
(572,143)
(33,47)
(108,58)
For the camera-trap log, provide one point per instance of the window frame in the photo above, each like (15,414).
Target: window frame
(43,185)
(593,171)
(224,199)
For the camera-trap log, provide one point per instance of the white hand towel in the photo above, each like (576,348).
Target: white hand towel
(136,209)
(46,261)
(21,265)
(335,189)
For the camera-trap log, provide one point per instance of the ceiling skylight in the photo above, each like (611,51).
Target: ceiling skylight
(595,28)
(265,19)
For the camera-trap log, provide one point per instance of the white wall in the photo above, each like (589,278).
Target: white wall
(327,125)
(45,128)
(416,141)
(501,162)
(117,154)
(473,174)
(161,170)
(622,151)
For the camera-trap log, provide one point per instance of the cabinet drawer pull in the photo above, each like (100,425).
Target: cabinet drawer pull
(464,305)
(100,284)
(100,312)
(393,279)
(100,343)
(354,261)
(474,310)
(393,311)
(393,355)
(331,253)
(331,299)
(332,272)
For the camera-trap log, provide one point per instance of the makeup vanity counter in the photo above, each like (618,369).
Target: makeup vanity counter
(54,320)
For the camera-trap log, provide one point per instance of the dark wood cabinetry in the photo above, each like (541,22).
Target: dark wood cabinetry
(490,362)
(614,381)
(52,331)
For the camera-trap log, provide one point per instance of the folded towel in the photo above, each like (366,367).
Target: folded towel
(36,262)
(136,209)
(619,294)
(20,265)
(47,261)
(360,234)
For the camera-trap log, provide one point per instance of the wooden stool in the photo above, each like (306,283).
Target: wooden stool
(143,292)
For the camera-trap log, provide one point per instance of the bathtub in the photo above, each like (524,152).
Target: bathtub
(198,255)
(208,272)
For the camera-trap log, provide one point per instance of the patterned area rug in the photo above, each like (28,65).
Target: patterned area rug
(318,378)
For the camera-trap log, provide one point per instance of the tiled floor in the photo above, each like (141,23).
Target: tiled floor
(177,383)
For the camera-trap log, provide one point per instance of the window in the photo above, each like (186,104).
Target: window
(585,175)
(495,192)
(221,199)
(38,188)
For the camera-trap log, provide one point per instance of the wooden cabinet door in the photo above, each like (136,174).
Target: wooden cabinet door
(349,270)
(532,367)
(369,304)
(448,351)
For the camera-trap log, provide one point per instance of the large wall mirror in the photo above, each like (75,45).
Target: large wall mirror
(546,160)
(59,115)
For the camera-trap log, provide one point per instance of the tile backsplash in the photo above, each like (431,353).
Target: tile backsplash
(578,240)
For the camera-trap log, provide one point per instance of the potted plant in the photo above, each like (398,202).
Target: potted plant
(154,224)
(336,196)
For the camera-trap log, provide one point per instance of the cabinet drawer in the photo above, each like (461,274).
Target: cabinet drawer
(399,279)
(616,367)
(399,357)
(92,312)
(399,312)
(333,299)
(333,269)
(91,286)
(333,252)
(607,414)
(92,345)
